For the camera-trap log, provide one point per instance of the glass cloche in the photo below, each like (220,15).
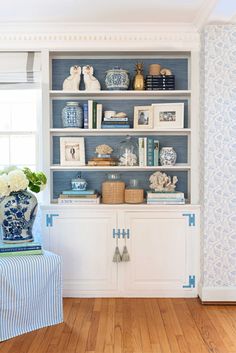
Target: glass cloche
(128,152)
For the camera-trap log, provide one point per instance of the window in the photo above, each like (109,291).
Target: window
(18,127)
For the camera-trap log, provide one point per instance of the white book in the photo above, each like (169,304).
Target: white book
(166,203)
(141,151)
(99,116)
(73,201)
(145,151)
(90,114)
(165,195)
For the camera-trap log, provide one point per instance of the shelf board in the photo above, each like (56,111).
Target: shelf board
(117,94)
(142,206)
(177,167)
(101,132)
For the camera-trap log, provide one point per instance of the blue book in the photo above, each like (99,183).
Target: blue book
(115,126)
(27,246)
(150,152)
(85,109)
(78,192)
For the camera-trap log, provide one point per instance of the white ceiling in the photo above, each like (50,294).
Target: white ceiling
(188,12)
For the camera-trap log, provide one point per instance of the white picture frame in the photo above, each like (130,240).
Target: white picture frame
(72,151)
(168,115)
(143,117)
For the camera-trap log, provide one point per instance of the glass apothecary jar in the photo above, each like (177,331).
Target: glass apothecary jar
(128,152)
(113,189)
(133,193)
(72,115)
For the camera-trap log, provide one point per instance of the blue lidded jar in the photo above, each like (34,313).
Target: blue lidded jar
(117,79)
(72,115)
(79,183)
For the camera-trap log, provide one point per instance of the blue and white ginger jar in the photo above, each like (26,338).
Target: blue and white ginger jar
(79,184)
(117,79)
(168,156)
(17,215)
(72,115)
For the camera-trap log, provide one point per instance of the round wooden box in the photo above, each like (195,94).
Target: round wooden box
(134,195)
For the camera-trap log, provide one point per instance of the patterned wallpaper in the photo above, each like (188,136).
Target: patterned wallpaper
(219,143)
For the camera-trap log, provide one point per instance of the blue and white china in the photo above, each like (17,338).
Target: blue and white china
(17,215)
(168,156)
(117,79)
(72,115)
(79,184)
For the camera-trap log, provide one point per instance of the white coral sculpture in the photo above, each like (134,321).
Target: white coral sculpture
(128,159)
(160,182)
(104,149)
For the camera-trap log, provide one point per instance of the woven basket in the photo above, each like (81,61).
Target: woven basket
(113,192)
(134,195)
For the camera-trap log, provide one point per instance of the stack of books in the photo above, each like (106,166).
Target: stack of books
(160,82)
(115,123)
(27,248)
(106,161)
(165,198)
(79,197)
(148,152)
(92,115)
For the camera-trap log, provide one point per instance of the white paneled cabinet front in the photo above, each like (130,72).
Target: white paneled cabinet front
(163,249)
(84,241)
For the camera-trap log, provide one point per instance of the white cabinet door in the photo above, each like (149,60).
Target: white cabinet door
(163,254)
(84,240)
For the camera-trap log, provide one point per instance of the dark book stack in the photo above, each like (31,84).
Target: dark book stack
(160,82)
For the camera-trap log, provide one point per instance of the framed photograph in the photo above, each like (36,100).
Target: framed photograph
(72,151)
(143,118)
(168,115)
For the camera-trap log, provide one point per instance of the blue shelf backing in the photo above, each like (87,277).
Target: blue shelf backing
(61,69)
(179,143)
(61,180)
(126,106)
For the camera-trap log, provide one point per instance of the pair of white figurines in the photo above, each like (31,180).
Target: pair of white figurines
(72,82)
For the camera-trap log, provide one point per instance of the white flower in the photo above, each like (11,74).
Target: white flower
(17,180)
(4,189)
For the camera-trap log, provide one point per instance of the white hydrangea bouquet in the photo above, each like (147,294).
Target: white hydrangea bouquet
(15,179)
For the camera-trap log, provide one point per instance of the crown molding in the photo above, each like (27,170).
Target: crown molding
(204,13)
(98,36)
(118,27)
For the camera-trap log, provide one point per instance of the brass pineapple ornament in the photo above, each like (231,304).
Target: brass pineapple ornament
(139,83)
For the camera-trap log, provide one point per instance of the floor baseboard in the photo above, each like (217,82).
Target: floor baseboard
(217,295)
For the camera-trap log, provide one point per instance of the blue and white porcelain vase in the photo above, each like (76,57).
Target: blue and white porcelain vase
(117,79)
(72,115)
(168,156)
(17,215)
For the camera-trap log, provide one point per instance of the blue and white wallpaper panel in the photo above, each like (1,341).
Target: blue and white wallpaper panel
(219,244)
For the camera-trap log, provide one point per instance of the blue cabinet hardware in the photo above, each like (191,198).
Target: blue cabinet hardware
(191,219)
(50,218)
(191,282)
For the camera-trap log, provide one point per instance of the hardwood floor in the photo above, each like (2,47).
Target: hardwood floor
(134,326)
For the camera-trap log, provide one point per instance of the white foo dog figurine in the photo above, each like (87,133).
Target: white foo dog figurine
(91,83)
(71,83)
